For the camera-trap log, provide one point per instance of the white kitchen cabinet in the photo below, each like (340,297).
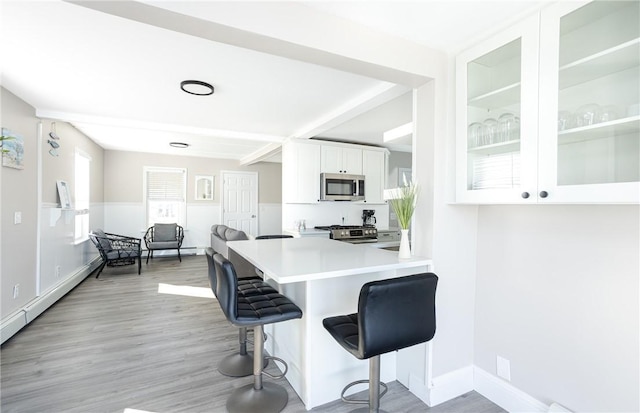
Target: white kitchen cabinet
(300,173)
(589,102)
(574,100)
(341,160)
(497,117)
(375,171)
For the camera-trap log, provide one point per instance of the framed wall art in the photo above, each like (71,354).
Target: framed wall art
(204,188)
(12,149)
(64,194)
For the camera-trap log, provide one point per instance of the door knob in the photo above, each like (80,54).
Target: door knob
(544,194)
(525,195)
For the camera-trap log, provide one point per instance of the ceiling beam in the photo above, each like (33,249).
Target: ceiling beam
(134,124)
(262,154)
(349,110)
(328,55)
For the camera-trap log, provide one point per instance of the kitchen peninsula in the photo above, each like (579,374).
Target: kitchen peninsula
(323,277)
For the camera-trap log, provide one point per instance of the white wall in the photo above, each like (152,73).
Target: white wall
(557,295)
(128,218)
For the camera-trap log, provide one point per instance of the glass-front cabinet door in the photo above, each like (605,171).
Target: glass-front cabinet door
(590,102)
(497,117)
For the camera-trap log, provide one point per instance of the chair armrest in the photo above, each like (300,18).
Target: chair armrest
(124,242)
(180,235)
(148,236)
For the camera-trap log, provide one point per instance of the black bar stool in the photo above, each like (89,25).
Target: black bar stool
(392,314)
(253,311)
(238,364)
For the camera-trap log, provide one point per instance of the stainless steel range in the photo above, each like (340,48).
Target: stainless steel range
(354,234)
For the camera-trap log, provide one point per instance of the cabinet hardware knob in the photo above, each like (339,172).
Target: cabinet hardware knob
(525,195)
(544,194)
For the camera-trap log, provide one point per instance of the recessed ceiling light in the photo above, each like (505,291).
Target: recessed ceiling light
(180,145)
(196,87)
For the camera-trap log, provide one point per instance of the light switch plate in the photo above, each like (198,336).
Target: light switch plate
(17,217)
(503,368)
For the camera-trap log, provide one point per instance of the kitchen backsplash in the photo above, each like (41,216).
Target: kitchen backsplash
(331,213)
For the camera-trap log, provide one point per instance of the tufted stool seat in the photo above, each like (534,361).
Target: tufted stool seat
(392,314)
(253,310)
(238,364)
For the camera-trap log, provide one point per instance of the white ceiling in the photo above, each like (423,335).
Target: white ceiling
(117,79)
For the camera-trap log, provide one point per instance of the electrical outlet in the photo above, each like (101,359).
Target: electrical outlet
(503,368)
(16,290)
(57,271)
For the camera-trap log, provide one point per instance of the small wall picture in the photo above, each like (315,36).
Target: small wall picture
(64,194)
(404,177)
(12,149)
(204,188)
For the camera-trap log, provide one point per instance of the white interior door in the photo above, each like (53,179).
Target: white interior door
(240,201)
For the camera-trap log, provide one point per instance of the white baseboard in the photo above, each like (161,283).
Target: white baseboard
(444,387)
(12,324)
(504,394)
(456,383)
(451,385)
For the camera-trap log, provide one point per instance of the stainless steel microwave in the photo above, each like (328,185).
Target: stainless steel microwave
(341,187)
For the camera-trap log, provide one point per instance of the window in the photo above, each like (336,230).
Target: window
(165,194)
(82,195)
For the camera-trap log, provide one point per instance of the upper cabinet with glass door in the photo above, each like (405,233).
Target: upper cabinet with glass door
(590,102)
(497,116)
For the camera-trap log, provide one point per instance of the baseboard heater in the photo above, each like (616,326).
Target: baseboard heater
(174,253)
(15,322)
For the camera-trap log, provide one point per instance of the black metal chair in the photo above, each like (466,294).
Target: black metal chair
(116,250)
(274,236)
(238,364)
(392,314)
(253,311)
(163,237)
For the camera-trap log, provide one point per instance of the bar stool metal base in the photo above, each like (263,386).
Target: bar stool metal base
(271,398)
(367,410)
(238,365)
(375,395)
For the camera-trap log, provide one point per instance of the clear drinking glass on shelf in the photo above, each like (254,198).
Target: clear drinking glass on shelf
(589,114)
(564,120)
(474,134)
(489,131)
(507,127)
(609,113)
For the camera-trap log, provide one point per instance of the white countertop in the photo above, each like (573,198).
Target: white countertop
(309,232)
(292,260)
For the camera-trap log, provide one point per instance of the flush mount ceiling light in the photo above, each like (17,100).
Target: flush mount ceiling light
(180,145)
(196,87)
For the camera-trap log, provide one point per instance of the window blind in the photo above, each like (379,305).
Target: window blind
(166,185)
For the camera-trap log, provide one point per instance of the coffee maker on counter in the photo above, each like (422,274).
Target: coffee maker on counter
(368,220)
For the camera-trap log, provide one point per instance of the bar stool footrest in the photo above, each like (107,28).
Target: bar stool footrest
(360,401)
(276,376)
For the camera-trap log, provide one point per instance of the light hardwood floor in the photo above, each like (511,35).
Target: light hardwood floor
(117,342)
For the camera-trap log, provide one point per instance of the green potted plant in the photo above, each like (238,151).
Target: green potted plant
(403,201)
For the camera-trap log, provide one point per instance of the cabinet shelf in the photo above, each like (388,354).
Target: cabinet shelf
(505,96)
(614,59)
(496,148)
(616,127)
